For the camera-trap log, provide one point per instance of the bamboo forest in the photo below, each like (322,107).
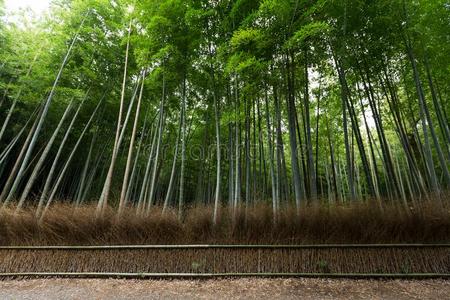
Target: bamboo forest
(277,121)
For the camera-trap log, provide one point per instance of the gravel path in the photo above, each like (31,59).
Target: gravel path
(112,289)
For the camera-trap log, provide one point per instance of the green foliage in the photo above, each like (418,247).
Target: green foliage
(323,266)
(239,52)
(307,32)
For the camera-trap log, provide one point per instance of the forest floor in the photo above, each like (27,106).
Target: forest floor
(249,288)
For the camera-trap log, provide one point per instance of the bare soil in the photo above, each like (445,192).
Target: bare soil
(224,289)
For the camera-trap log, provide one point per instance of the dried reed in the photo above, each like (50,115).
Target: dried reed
(317,223)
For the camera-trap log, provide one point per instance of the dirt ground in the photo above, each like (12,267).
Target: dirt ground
(112,289)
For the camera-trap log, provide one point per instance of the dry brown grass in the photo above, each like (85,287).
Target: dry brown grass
(367,222)
(355,223)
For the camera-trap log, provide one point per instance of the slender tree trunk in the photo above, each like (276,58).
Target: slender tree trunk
(292,137)
(443,123)
(44,111)
(253,158)
(172,172)
(103,202)
(5,153)
(50,175)
(122,202)
(158,147)
(279,147)
(237,188)
(231,168)
(136,160)
(247,154)
(271,160)
(41,161)
(16,99)
(81,188)
(142,195)
(393,102)
(349,165)
(66,165)
(217,122)
(333,165)
(262,155)
(183,149)
(427,124)
(310,164)
(15,169)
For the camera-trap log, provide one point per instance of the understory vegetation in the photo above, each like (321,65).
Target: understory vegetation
(225,121)
(371,222)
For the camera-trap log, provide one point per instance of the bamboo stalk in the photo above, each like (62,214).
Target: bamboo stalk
(200,246)
(225,275)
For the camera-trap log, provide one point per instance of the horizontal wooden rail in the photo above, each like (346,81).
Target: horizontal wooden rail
(225,275)
(131,247)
